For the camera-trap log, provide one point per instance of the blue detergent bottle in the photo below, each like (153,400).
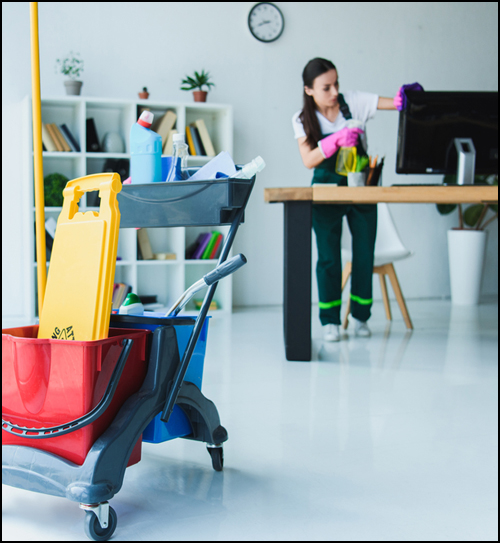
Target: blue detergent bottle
(145,151)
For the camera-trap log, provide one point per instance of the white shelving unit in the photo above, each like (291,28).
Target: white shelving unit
(166,279)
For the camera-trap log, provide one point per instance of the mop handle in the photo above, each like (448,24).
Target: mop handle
(226,268)
(221,271)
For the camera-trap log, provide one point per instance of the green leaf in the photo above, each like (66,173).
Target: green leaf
(53,185)
(446,209)
(472,214)
(198,81)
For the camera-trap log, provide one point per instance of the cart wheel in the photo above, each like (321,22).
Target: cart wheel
(93,528)
(217,457)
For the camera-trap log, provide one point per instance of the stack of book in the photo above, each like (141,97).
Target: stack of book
(58,138)
(198,139)
(207,246)
(197,136)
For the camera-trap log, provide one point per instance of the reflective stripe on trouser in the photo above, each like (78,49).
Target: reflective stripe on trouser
(327,224)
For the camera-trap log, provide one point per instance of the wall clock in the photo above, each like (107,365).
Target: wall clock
(266,22)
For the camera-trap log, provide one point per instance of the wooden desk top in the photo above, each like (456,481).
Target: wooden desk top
(333,194)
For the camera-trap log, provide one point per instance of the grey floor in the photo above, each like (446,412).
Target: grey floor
(392,438)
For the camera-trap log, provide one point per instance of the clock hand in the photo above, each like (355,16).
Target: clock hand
(263,23)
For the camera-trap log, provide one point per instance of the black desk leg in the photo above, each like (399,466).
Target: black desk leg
(297,280)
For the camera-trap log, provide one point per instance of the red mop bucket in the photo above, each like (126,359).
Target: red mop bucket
(49,382)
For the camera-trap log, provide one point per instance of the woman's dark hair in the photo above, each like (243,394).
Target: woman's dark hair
(315,67)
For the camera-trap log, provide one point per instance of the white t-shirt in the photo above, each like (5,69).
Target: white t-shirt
(362,105)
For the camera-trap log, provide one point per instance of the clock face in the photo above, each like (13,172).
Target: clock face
(266,22)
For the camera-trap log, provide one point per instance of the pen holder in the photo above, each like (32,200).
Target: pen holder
(356,179)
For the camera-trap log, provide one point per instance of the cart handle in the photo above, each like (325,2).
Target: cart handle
(77,424)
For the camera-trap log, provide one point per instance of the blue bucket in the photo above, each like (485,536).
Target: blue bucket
(178,425)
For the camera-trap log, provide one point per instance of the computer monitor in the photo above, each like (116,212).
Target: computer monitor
(435,124)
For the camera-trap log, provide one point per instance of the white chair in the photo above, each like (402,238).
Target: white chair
(388,249)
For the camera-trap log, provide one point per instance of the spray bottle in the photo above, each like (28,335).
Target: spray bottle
(348,156)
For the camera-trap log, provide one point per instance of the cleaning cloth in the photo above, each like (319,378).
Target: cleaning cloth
(402,92)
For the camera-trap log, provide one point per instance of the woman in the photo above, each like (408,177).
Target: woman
(321,130)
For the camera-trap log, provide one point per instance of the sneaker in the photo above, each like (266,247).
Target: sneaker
(361,329)
(331,332)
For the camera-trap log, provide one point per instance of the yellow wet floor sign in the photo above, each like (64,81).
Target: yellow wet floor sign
(78,296)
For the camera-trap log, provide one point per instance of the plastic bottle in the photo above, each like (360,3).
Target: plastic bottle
(347,157)
(145,151)
(251,168)
(178,167)
(131,306)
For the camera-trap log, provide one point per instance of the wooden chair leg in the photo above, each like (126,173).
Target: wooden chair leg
(385,296)
(346,274)
(391,272)
(345,324)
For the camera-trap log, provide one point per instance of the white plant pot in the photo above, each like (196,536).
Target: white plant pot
(466,250)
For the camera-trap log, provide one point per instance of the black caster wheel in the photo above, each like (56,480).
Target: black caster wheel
(217,457)
(93,528)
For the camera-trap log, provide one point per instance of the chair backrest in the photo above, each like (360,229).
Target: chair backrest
(388,245)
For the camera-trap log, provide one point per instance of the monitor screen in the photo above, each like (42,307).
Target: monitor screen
(432,121)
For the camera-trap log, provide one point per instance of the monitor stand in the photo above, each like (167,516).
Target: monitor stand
(466,164)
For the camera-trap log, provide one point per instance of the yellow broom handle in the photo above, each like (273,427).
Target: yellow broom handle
(37,156)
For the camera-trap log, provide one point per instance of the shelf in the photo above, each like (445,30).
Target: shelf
(167,279)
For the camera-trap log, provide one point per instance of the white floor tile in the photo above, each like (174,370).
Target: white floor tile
(391,438)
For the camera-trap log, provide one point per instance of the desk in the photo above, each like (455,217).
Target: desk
(297,239)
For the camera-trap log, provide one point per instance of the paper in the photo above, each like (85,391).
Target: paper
(222,163)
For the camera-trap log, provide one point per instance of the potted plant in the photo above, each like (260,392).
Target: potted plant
(72,67)
(198,82)
(467,243)
(53,185)
(144,94)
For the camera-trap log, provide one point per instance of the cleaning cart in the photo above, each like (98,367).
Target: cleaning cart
(138,349)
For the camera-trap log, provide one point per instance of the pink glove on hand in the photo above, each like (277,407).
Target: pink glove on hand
(398,100)
(347,137)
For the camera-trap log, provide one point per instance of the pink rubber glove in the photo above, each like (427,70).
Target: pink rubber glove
(398,100)
(347,137)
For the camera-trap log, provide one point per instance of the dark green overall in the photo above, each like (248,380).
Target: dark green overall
(327,224)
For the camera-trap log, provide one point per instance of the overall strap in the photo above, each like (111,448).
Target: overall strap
(344,108)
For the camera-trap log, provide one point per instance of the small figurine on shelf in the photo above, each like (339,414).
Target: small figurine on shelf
(71,66)
(144,94)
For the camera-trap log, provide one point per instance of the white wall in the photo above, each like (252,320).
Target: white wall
(376,47)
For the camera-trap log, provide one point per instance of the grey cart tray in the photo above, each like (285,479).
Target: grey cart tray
(183,203)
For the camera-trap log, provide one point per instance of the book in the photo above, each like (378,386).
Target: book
(200,151)
(193,246)
(205,137)
(92,139)
(47,140)
(210,245)
(70,138)
(189,140)
(53,135)
(202,246)
(61,138)
(215,249)
(144,244)
(164,125)
(213,304)
(165,256)
(120,291)
(167,149)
